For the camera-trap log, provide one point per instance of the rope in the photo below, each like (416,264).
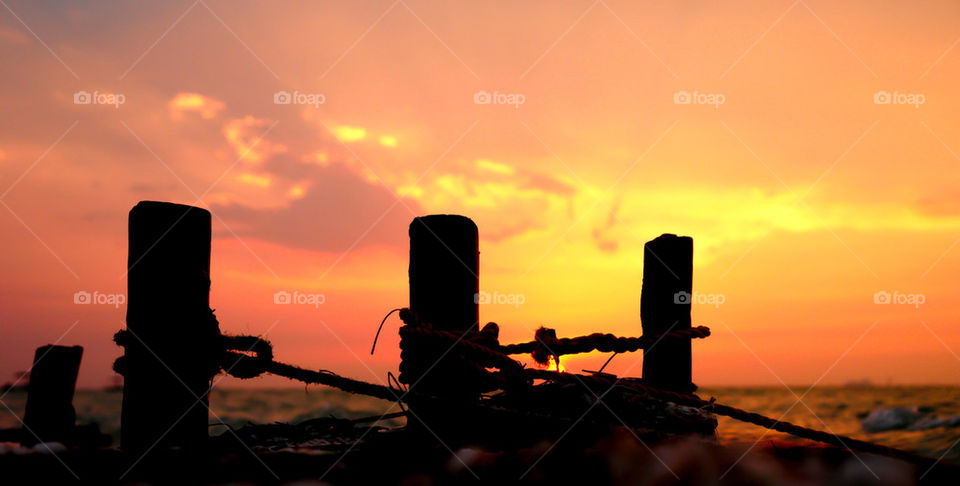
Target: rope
(436,336)
(374,347)
(331,379)
(739,414)
(208,337)
(250,356)
(328,378)
(547,344)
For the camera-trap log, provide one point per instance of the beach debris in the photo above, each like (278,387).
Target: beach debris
(320,433)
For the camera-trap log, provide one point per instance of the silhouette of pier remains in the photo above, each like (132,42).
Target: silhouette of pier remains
(169,357)
(444,284)
(49,414)
(170,347)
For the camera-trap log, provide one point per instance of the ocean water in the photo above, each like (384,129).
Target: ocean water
(840,410)
(836,409)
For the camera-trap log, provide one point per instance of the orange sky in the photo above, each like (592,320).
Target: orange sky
(804,195)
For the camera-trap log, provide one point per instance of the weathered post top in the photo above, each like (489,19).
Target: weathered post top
(167,363)
(168,244)
(444,264)
(665,308)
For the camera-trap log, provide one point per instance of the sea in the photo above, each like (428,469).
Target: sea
(838,409)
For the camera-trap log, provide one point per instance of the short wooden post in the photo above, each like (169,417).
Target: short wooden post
(444,289)
(167,360)
(665,307)
(49,414)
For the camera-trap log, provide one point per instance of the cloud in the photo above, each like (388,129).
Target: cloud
(497,168)
(13,36)
(943,203)
(388,141)
(508,200)
(246,136)
(546,184)
(149,188)
(205,106)
(350,134)
(254,179)
(340,211)
(602,233)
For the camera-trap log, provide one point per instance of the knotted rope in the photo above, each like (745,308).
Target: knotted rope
(480,345)
(547,344)
(250,356)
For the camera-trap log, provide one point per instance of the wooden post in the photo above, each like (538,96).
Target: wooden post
(444,286)
(49,415)
(665,307)
(168,358)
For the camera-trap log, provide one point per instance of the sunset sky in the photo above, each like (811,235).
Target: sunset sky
(815,165)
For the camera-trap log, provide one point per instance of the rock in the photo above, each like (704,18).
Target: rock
(895,418)
(934,422)
(49,447)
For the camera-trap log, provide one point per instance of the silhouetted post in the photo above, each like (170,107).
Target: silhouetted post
(49,415)
(444,286)
(167,361)
(665,307)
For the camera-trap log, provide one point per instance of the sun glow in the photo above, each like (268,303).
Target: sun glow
(556,365)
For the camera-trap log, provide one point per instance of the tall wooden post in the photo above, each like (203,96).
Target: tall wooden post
(665,307)
(49,415)
(168,355)
(444,286)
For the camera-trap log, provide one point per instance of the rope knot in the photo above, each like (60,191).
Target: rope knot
(239,356)
(546,342)
(235,361)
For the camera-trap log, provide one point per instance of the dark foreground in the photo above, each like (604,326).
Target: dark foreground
(280,454)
